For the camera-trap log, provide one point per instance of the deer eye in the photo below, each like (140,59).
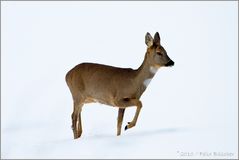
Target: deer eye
(159,53)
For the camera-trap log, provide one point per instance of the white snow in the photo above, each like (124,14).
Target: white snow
(189,110)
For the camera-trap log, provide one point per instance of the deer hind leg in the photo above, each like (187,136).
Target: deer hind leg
(120,120)
(128,102)
(76,119)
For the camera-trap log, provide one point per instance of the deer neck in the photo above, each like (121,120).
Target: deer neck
(145,73)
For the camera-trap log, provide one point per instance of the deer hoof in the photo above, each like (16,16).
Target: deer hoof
(130,125)
(125,128)
(77,136)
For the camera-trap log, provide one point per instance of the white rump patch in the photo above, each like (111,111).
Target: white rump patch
(147,81)
(95,100)
(153,69)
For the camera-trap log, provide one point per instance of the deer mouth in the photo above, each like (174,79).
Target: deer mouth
(169,64)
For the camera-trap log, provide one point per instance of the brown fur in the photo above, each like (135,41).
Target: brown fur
(119,87)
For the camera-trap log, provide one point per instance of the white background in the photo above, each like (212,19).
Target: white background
(189,110)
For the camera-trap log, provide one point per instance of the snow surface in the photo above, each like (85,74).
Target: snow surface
(189,110)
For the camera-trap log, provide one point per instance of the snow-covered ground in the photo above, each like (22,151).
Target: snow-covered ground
(189,110)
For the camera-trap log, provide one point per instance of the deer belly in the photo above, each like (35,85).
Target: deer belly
(109,95)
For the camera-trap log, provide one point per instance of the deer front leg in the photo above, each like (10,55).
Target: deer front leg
(128,102)
(138,104)
(120,119)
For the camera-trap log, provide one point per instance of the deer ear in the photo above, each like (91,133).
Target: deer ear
(157,38)
(149,39)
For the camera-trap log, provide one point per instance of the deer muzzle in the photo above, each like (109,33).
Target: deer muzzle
(170,63)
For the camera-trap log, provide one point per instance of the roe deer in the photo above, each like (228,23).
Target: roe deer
(119,87)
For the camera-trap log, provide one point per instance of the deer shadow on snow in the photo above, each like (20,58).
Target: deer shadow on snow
(145,133)
(157,132)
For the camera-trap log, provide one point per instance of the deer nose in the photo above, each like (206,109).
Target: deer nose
(170,63)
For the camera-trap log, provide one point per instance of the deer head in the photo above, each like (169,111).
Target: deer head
(156,54)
